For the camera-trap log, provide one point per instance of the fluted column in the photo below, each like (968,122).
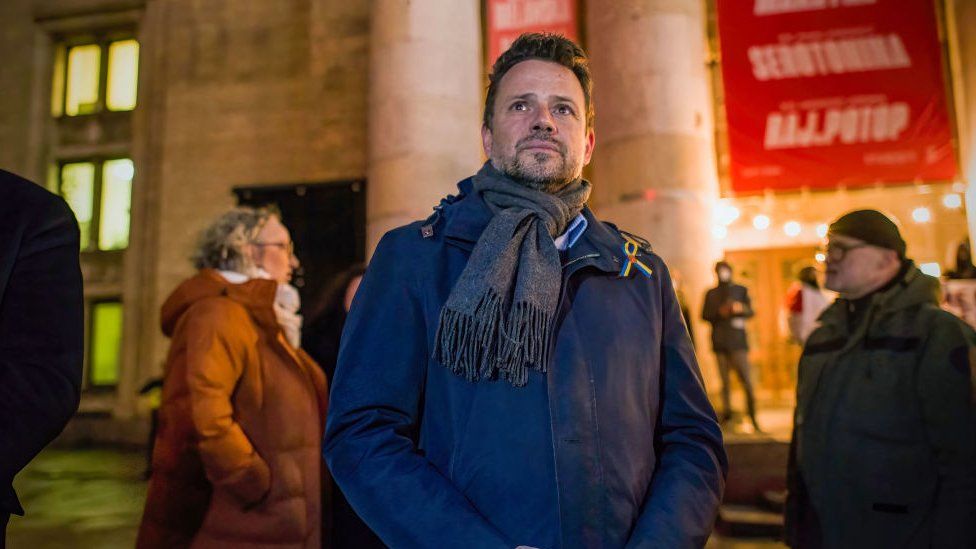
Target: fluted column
(424,107)
(654,163)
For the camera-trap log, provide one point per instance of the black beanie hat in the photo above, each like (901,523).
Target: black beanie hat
(871,226)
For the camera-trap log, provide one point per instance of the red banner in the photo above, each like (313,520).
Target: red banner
(829,93)
(507,19)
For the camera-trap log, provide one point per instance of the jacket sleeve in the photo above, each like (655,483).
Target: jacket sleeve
(946,377)
(686,490)
(374,415)
(710,307)
(41,338)
(215,355)
(746,311)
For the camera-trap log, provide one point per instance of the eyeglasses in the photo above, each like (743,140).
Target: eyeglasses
(836,252)
(288,247)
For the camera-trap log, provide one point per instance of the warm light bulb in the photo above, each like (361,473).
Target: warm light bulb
(761,222)
(720,231)
(726,213)
(931,269)
(791,228)
(820,257)
(822,230)
(952,201)
(921,215)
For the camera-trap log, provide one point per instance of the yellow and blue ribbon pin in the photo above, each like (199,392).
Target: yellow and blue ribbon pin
(630,250)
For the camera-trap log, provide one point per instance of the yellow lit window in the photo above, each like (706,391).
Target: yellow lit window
(123,75)
(94,77)
(82,82)
(113,217)
(78,190)
(105,343)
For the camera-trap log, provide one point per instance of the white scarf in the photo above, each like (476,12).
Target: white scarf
(286,304)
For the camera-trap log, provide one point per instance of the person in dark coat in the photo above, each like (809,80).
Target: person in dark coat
(320,338)
(726,308)
(514,372)
(884,438)
(41,327)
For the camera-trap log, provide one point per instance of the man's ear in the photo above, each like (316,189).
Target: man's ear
(486,140)
(590,144)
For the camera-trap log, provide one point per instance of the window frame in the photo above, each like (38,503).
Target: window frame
(98,162)
(102,39)
(88,384)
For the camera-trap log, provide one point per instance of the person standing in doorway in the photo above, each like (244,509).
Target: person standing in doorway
(804,303)
(726,308)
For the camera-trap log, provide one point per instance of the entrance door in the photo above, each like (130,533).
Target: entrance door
(768,275)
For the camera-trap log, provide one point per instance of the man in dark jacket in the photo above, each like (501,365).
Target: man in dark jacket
(726,308)
(884,438)
(514,372)
(40,327)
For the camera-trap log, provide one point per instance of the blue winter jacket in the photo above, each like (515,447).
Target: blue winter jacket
(633,452)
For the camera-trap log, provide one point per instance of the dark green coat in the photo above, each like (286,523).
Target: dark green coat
(884,441)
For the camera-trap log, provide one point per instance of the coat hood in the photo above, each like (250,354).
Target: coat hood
(257,295)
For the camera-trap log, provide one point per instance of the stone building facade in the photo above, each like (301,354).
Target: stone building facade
(236,93)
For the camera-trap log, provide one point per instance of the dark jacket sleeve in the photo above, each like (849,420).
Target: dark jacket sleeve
(710,306)
(946,374)
(41,332)
(746,311)
(374,414)
(686,490)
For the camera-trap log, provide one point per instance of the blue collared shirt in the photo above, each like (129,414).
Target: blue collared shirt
(572,233)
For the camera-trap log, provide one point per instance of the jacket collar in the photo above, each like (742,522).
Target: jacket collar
(598,246)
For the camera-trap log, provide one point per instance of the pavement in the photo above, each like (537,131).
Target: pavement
(93,498)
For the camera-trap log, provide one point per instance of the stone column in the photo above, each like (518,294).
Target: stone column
(653,167)
(424,107)
(961,15)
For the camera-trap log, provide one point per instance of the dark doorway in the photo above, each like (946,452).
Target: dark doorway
(327,223)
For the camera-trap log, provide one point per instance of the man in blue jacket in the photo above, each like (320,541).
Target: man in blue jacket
(515,373)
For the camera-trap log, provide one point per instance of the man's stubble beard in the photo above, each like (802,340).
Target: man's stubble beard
(540,171)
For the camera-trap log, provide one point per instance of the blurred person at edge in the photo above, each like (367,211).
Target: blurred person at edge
(726,307)
(515,372)
(883,451)
(324,320)
(804,303)
(237,461)
(964,267)
(41,327)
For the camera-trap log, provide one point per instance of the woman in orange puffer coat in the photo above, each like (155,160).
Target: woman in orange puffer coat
(237,461)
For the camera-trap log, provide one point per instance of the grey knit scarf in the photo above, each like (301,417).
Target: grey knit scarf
(497,321)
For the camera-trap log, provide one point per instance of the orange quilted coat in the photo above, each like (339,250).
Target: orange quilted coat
(237,461)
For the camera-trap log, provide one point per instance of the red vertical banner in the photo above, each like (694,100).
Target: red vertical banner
(507,19)
(829,93)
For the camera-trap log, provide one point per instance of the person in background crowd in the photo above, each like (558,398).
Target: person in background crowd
(726,308)
(804,303)
(41,327)
(884,436)
(325,318)
(237,461)
(683,305)
(323,328)
(515,372)
(964,262)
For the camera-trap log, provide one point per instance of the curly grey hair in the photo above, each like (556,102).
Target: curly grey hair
(221,245)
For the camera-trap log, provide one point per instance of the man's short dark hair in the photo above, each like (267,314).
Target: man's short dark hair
(546,47)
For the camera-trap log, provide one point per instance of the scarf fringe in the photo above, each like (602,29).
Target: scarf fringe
(484,345)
